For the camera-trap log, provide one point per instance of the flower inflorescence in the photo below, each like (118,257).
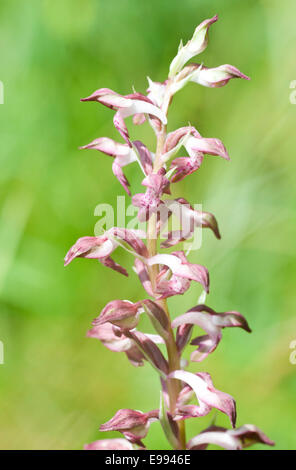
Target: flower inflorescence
(164,274)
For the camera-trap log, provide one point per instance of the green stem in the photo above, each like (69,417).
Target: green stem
(173,386)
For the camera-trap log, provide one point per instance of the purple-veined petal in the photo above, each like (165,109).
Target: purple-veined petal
(195,46)
(206,393)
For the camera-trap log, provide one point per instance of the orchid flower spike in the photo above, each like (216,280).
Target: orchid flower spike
(164,274)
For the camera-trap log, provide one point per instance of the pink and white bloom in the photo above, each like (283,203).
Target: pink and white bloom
(212,323)
(180,267)
(168,284)
(210,77)
(126,106)
(229,439)
(190,220)
(148,202)
(109,444)
(208,396)
(195,46)
(121,313)
(196,147)
(102,247)
(134,425)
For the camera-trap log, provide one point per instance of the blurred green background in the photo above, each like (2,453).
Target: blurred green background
(57,386)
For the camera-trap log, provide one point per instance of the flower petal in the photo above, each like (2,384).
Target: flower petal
(133,424)
(214,77)
(151,352)
(121,313)
(206,393)
(195,46)
(212,323)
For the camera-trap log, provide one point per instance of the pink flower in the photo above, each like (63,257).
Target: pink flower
(229,439)
(180,267)
(134,425)
(127,105)
(196,147)
(109,444)
(213,323)
(210,77)
(208,396)
(121,313)
(101,247)
(148,203)
(190,219)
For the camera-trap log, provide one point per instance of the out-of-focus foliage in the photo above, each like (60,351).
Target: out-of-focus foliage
(57,387)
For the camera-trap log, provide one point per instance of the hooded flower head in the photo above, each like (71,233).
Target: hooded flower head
(121,313)
(213,323)
(101,247)
(208,396)
(126,106)
(133,424)
(180,267)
